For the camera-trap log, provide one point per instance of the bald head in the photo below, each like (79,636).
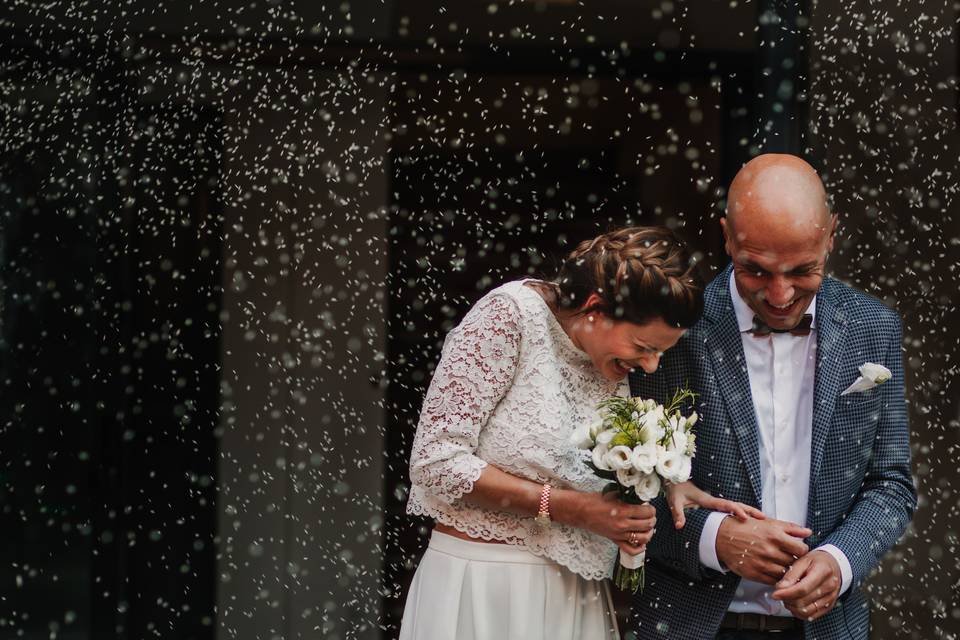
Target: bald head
(778,193)
(778,232)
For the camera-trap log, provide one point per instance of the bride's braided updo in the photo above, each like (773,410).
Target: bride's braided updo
(639,273)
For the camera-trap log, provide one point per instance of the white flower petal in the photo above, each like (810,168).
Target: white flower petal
(628,477)
(599,455)
(644,458)
(648,487)
(581,438)
(619,457)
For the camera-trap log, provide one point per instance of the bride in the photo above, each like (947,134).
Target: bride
(524,540)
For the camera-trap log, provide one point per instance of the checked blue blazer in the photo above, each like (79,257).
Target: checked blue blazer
(861,491)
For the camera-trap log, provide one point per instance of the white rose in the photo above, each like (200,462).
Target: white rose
(628,477)
(644,458)
(683,470)
(581,437)
(599,454)
(692,420)
(667,462)
(619,457)
(648,487)
(876,372)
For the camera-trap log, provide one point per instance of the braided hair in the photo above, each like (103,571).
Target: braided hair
(639,273)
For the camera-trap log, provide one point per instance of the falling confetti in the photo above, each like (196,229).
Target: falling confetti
(235,234)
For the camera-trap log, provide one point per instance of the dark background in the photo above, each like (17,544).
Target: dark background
(234,235)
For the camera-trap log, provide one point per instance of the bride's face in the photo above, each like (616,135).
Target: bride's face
(616,347)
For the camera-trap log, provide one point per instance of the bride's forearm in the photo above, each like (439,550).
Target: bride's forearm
(629,525)
(502,491)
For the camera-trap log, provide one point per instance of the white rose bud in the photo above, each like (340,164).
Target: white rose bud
(692,420)
(648,487)
(644,458)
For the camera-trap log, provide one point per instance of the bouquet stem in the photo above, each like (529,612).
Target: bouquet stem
(629,574)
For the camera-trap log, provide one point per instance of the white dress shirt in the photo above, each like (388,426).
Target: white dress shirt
(781,368)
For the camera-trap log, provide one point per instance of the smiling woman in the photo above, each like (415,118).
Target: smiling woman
(527,366)
(626,296)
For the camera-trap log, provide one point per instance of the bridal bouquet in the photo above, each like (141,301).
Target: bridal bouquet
(639,445)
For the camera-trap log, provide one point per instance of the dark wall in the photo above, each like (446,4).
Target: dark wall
(110,272)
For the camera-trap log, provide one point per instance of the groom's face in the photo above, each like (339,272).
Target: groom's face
(778,270)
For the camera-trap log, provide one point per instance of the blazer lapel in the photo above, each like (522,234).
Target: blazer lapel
(725,346)
(831,331)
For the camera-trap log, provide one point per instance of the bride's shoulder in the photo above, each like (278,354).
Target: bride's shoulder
(517,303)
(499,306)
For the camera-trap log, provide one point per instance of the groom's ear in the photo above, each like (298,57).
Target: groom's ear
(834,223)
(726,236)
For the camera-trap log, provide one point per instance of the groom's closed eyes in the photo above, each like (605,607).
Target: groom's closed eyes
(799,272)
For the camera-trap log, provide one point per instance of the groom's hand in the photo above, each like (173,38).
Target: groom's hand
(760,550)
(811,587)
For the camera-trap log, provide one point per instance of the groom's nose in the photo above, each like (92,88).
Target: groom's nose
(779,290)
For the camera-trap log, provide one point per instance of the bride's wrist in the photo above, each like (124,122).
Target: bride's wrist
(565,506)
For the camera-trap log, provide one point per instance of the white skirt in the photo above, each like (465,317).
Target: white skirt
(482,591)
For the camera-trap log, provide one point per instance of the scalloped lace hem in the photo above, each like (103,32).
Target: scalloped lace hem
(566,557)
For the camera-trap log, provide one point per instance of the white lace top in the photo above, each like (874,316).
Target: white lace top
(508,391)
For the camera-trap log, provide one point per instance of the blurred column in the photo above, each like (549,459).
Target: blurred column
(883,130)
(301,476)
(782,29)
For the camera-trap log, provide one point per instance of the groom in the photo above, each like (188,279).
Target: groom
(777,347)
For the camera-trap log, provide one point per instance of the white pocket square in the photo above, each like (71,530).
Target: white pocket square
(870,376)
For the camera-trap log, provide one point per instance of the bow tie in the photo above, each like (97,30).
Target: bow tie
(761,328)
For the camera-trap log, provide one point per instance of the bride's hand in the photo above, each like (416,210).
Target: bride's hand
(630,526)
(687,494)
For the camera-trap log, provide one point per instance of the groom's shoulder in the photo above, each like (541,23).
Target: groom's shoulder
(857,306)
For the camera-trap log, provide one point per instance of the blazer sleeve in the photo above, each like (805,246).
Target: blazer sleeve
(887,499)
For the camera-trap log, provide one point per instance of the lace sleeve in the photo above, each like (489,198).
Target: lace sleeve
(476,369)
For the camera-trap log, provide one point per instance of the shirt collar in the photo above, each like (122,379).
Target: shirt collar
(745,314)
